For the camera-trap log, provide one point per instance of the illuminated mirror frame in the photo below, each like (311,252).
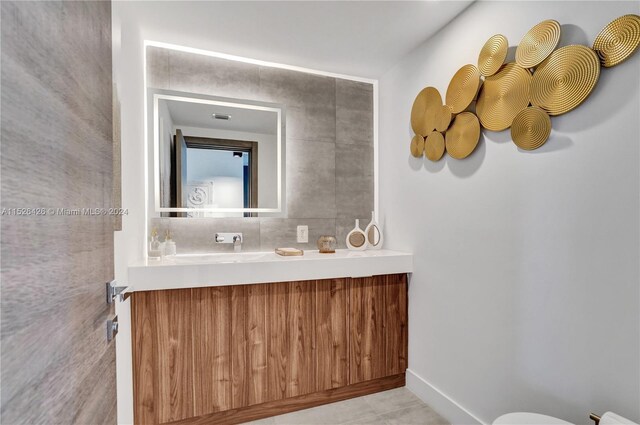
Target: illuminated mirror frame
(156,95)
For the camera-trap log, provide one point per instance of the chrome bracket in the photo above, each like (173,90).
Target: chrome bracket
(114,291)
(112,328)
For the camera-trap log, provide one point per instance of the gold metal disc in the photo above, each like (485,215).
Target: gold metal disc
(538,43)
(531,128)
(463,88)
(463,135)
(434,146)
(443,118)
(502,96)
(618,40)
(417,146)
(424,110)
(565,79)
(492,55)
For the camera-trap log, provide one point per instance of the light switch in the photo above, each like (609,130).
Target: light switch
(303,234)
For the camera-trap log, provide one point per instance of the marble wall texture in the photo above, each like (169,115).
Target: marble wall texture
(56,152)
(329,143)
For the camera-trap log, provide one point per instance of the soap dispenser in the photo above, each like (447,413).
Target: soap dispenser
(169,245)
(155,249)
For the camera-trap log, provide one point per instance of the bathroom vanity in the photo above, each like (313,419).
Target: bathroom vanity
(229,338)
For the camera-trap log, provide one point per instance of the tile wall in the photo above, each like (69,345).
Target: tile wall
(329,143)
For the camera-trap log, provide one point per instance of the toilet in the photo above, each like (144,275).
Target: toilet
(527,418)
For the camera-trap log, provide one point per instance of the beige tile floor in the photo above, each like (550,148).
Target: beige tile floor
(398,406)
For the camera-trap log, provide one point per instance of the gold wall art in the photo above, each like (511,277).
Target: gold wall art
(423,113)
(544,81)
(492,55)
(618,40)
(463,88)
(502,96)
(565,79)
(538,43)
(417,146)
(434,146)
(531,128)
(463,136)
(443,118)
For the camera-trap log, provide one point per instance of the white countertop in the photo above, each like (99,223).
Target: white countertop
(192,271)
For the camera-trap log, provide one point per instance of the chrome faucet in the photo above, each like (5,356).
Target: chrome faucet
(234,238)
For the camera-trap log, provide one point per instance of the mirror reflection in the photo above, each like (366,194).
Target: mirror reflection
(217,158)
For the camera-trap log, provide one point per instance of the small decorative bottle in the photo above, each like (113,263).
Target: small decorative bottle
(356,239)
(155,249)
(169,245)
(374,234)
(327,244)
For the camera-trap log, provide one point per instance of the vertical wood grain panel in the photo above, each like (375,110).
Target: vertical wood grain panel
(239,342)
(395,326)
(143,327)
(332,347)
(56,152)
(255,344)
(291,362)
(278,340)
(301,312)
(173,340)
(366,316)
(249,345)
(212,335)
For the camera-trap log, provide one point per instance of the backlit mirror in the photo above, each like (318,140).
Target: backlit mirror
(216,157)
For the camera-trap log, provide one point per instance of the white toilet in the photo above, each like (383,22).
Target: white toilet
(527,418)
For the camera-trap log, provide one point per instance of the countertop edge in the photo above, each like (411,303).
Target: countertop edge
(183,276)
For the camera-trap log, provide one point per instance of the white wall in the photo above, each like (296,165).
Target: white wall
(205,164)
(525,295)
(225,172)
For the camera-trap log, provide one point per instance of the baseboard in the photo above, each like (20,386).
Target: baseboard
(440,402)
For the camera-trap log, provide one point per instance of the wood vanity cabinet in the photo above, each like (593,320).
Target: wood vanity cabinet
(229,354)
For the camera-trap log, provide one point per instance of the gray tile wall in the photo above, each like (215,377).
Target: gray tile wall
(329,149)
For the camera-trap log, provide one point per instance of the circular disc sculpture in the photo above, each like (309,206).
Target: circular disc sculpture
(462,138)
(502,96)
(538,43)
(565,79)
(463,88)
(542,82)
(424,109)
(492,55)
(443,118)
(618,40)
(434,146)
(417,146)
(531,128)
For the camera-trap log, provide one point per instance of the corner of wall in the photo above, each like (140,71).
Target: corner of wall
(447,407)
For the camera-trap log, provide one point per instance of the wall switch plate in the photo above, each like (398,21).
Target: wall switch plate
(303,234)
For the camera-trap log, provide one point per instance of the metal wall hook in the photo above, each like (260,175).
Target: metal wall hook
(112,328)
(114,291)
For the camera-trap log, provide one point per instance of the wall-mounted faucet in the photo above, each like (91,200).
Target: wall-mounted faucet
(234,238)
